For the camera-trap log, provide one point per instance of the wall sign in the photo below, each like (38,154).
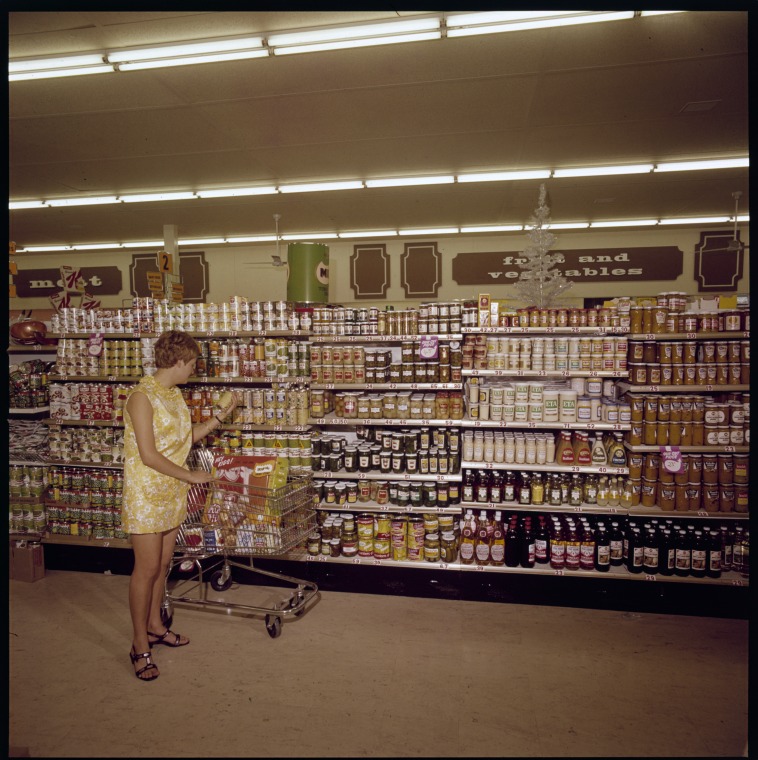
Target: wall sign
(193,268)
(420,270)
(582,265)
(370,271)
(717,269)
(100,281)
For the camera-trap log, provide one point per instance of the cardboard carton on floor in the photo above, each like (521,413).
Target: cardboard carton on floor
(27,561)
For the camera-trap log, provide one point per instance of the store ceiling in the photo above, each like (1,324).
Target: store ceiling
(648,89)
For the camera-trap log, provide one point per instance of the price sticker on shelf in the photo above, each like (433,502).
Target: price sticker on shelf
(649,577)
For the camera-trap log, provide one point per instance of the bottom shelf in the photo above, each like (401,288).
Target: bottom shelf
(729,578)
(104,543)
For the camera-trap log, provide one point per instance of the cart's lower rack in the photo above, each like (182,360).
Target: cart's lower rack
(616,573)
(571,468)
(344,475)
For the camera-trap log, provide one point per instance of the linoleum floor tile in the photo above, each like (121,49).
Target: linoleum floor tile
(367,676)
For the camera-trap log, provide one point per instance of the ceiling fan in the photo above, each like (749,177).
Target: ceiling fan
(734,245)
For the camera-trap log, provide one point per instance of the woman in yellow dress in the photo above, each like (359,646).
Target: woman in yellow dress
(158,435)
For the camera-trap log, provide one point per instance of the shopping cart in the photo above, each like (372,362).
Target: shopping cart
(230,524)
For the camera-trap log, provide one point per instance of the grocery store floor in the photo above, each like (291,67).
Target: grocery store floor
(364,675)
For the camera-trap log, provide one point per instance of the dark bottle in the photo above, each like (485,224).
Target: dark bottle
(542,544)
(454,493)
(714,554)
(683,554)
(468,486)
(528,552)
(666,553)
(699,557)
(524,489)
(496,487)
(557,548)
(602,550)
(636,552)
(616,542)
(481,487)
(727,544)
(650,552)
(509,487)
(587,548)
(513,541)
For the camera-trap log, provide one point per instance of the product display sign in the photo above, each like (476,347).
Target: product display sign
(100,281)
(582,265)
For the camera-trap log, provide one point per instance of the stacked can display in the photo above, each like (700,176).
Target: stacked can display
(26,509)
(123,358)
(84,502)
(430,318)
(605,353)
(28,385)
(255,358)
(86,445)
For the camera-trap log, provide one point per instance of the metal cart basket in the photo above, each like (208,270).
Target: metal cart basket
(231,523)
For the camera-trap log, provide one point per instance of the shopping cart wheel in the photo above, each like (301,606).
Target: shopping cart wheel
(219,582)
(273,626)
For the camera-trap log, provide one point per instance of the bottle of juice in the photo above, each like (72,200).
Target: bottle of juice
(497,547)
(573,548)
(557,548)
(468,538)
(482,541)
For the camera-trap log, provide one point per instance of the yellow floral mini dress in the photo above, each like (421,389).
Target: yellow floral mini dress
(153,502)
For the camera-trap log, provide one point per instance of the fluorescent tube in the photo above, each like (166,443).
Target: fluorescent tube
(370,233)
(185,49)
(147,197)
(723,163)
(354,32)
(600,171)
(83,201)
(233,192)
(504,176)
(408,181)
(316,186)
(698,220)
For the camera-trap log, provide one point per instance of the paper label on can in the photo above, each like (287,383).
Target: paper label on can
(671,458)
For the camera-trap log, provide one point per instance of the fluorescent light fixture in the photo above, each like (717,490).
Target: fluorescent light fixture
(227,44)
(202,241)
(723,163)
(369,233)
(499,17)
(163,63)
(51,73)
(658,13)
(59,66)
(315,186)
(311,236)
(145,244)
(432,231)
(147,197)
(252,239)
(626,223)
(494,228)
(59,62)
(15,205)
(457,27)
(568,226)
(698,220)
(368,42)
(96,246)
(504,176)
(741,218)
(233,192)
(599,171)
(83,201)
(408,181)
(39,248)
(354,31)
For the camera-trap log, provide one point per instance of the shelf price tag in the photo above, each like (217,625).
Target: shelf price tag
(649,577)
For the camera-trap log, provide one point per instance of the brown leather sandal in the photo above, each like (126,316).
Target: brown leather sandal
(147,656)
(161,639)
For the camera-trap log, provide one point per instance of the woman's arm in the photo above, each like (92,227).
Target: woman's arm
(201,430)
(141,412)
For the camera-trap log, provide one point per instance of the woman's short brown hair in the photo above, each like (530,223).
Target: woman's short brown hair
(174,345)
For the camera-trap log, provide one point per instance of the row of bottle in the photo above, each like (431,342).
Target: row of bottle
(654,546)
(552,489)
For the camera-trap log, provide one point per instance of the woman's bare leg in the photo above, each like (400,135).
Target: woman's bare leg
(155,624)
(147,561)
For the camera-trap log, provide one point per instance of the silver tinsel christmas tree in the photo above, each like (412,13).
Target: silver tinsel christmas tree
(539,284)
